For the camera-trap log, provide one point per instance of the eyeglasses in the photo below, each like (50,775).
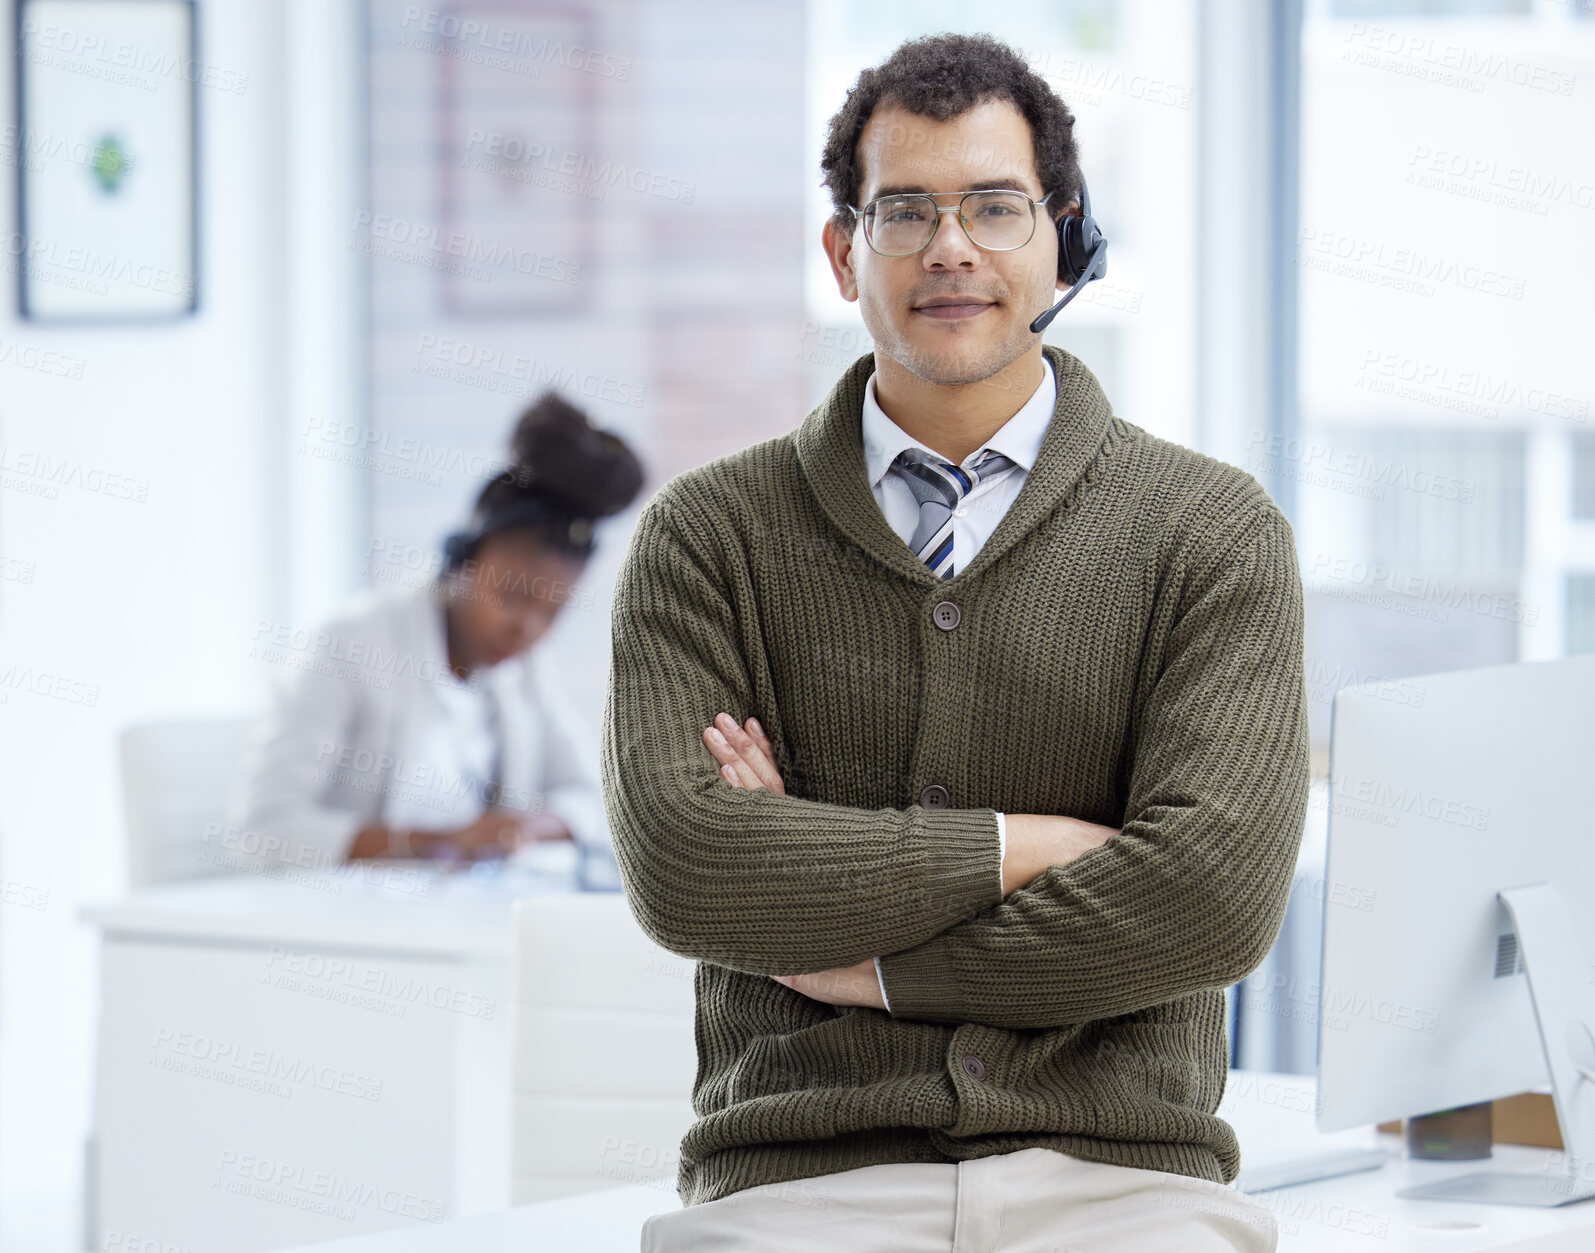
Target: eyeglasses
(903,224)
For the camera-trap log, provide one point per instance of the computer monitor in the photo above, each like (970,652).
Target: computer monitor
(1437,991)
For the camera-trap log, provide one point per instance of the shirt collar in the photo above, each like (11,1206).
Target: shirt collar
(830,457)
(1019,438)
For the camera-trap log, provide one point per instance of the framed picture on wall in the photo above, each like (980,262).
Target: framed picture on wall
(518,160)
(107,178)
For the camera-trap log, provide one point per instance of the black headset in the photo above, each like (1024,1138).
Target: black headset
(1082,255)
(575,530)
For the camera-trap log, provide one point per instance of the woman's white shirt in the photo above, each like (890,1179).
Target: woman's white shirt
(362,730)
(460,740)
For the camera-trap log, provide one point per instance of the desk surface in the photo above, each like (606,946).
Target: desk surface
(1272,1114)
(389,907)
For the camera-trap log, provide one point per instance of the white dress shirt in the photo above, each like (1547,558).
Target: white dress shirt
(978,513)
(369,725)
(458,737)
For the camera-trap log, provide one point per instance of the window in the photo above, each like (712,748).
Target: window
(1447,199)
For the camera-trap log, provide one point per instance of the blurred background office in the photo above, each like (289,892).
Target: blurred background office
(1352,252)
(416,725)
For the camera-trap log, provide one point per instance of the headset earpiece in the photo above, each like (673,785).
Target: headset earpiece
(457,549)
(1078,236)
(1082,255)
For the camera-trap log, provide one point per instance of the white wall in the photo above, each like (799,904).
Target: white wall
(144,607)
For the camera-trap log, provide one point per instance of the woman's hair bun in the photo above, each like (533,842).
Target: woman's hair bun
(559,453)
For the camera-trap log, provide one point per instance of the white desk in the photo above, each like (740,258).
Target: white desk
(288,1060)
(1271,1113)
(1274,1117)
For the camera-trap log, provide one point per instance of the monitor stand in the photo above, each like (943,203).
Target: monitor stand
(1560,986)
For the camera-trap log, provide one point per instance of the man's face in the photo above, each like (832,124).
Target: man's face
(996,295)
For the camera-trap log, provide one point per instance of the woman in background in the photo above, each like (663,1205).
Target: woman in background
(420,729)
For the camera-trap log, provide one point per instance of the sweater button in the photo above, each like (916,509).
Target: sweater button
(974,1067)
(934,797)
(946,615)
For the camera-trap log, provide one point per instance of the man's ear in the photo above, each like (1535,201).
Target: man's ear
(839,252)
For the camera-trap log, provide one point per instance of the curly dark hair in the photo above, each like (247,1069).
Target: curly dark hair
(942,77)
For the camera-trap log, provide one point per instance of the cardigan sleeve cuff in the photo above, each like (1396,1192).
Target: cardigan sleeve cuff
(924,983)
(923,975)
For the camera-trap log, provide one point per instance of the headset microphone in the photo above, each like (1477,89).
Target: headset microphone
(1082,255)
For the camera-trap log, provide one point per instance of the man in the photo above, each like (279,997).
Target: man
(960,736)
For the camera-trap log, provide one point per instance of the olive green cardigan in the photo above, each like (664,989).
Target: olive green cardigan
(1127,650)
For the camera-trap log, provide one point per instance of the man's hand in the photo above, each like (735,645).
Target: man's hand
(745,756)
(747,760)
(846,985)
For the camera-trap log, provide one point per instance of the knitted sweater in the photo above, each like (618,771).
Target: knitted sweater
(1127,650)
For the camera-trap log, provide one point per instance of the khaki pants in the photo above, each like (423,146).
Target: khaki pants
(1032,1201)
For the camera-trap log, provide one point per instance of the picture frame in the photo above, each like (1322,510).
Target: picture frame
(524,223)
(108,207)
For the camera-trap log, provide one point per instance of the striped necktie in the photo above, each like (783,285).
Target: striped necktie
(938,486)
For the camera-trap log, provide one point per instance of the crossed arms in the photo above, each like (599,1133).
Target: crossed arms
(1034,843)
(1187,895)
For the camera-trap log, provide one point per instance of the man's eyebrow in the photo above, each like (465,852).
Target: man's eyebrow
(990,184)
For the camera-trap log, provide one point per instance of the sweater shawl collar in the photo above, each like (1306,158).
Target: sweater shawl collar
(830,450)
